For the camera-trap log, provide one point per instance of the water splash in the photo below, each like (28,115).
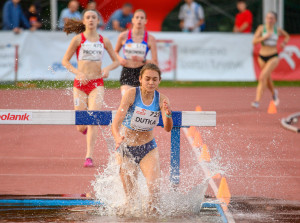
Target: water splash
(184,200)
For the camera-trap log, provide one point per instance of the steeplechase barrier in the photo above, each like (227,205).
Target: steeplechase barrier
(181,119)
(291,119)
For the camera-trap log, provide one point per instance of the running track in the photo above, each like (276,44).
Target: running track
(260,158)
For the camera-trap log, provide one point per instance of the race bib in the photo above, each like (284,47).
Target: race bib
(143,119)
(135,49)
(92,51)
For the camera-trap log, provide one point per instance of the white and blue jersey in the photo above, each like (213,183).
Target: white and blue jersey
(131,48)
(141,117)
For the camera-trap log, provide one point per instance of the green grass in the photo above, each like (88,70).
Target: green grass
(116,84)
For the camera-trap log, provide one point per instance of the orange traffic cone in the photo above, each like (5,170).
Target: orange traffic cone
(223,192)
(204,154)
(197,139)
(198,108)
(191,131)
(272,108)
(217,176)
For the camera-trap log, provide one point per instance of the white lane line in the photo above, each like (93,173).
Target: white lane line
(208,175)
(39,158)
(47,175)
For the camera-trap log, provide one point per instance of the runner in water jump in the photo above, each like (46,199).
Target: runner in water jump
(88,83)
(132,129)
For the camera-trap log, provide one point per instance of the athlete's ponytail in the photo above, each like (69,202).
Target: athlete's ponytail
(77,26)
(74,26)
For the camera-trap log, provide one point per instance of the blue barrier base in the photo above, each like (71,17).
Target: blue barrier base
(37,203)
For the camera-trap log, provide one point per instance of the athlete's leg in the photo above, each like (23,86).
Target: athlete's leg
(151,170)
(80,103)
(264,75)
(270,85)
(95,101)
(124,88)
(128,175)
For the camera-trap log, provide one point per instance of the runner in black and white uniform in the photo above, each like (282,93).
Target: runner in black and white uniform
(268,59)
(136,44)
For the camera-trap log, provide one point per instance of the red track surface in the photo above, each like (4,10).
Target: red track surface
(260,157)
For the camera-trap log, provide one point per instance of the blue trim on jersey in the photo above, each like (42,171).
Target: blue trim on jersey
(138,101)
(129,41)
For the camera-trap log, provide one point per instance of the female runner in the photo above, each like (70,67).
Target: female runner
(88,83)
(138,114)
(268,60)
(136,43)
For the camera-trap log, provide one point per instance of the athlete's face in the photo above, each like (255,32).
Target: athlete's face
(139,19)
(90,19)
(150,80)
(270,19)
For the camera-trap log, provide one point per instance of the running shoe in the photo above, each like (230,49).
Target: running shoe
(275,97)
(88,162)
(255,104)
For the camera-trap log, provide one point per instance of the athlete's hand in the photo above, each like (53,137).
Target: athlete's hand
(82,79)
(167,107)
(105,73)
(137,58)
(119,141)
(123,62)
(282,45)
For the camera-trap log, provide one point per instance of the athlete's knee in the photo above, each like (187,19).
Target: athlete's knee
(263,78)
(81,128)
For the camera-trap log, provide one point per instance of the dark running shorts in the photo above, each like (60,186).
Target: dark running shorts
(137,153)
(130,76)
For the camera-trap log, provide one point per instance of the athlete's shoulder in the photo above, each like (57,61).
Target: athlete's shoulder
(77,39)
(151,37)
(129,95)
(260,28)
(105,40)
(124,34)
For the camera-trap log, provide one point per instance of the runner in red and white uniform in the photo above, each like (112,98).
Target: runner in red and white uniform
(88,83)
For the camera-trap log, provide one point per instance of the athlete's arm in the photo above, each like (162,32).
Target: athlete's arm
(120,43)
(67,57)
(113,57)
(257,35)
(166,110)
(152,46)
(126,102)
(282,32)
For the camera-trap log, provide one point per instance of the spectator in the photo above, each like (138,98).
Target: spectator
(69,13)
(92,5)
(243,20)
(33,17)
(191,17)
(120,20)
(13,17)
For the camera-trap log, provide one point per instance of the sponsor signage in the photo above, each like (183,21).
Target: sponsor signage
(15,117)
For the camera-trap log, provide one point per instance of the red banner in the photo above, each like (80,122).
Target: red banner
(289,64)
